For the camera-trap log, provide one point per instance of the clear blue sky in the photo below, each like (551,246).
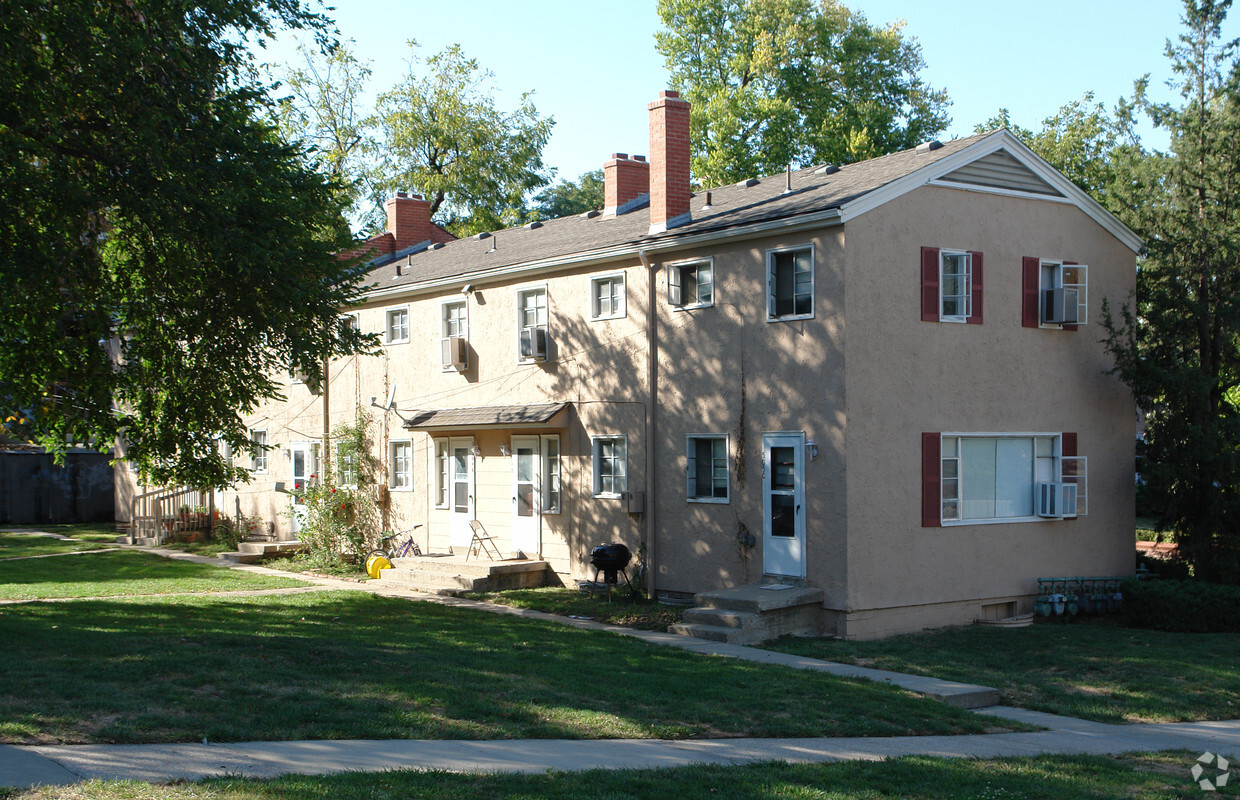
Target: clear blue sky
(593,67)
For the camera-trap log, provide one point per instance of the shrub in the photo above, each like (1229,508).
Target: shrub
(1182,606)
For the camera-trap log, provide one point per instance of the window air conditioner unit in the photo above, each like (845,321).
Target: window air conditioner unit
(1059,306)
(1056,500)
(534,343)
(454,352)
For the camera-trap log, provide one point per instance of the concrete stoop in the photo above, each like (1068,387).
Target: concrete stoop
(451,574)
(251,552)
(752,614)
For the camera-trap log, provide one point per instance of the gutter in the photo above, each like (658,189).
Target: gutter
(652,400)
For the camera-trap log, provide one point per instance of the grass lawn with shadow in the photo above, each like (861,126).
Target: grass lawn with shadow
(345,665)
(911,778)
(1094,670)
(123,572)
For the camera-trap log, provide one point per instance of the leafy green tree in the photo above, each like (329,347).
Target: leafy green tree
(779,82)
(163,251)
(441,135)
(570,197)
(323,109)
(1178,345)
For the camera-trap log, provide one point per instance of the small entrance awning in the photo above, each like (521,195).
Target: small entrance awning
(538,415)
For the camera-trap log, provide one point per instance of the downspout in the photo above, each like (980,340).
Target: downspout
(652,405)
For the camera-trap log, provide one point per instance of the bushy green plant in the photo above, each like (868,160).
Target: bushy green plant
(339,519)
(227,532)
(1182,606)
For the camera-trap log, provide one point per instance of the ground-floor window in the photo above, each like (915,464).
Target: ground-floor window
(706,468)
(987,478)
(400,465)
(610,458)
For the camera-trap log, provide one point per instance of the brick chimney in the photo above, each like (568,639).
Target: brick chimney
(409,220)
(669,162)
(624,180)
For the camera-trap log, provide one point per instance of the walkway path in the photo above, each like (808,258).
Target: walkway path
(26,766)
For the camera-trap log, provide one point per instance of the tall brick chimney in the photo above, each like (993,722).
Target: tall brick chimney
(624,180)
(669,162)
(409,220)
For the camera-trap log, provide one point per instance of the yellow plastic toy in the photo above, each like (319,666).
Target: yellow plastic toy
(376,563)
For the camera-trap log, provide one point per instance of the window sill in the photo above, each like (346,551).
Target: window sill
(395,341)
(608,496)
(604,319)
(400,488)
(688,307)
(717,501)
(954,523)
(790,318)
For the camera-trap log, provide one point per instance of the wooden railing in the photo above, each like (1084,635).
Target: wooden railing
(158,514)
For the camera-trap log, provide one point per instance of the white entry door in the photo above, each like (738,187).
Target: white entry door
(526,494)
(783,504)
(302,455)
(461,466)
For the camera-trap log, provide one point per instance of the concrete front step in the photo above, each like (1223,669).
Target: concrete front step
(252,552)
(752,614)
(453,574)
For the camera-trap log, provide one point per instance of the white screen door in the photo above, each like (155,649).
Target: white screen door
(783,504)
(526,494)
(461,499)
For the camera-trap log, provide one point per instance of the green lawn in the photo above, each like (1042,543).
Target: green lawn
(569,602)
(914,778)
(1093,670)
(122,572)
(341,665)
(25,545)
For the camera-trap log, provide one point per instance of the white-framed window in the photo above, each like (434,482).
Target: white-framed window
(790,283)
(226,453)
(348,322)
(532,336)
(706,468)
(259,438)
(551,491)
(400,465)
(955,285)
(397,326)
(443,466)
(1009,478)
(1063,294)
(691,284)
(607,297)
(610,457)
(454,333)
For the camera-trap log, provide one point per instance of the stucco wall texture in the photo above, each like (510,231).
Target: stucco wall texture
(863,378)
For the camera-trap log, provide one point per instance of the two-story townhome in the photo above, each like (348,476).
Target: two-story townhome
(880,380)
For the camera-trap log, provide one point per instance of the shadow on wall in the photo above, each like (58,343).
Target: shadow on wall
(33,489)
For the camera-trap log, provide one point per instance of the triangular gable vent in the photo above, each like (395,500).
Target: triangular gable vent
(1001,170)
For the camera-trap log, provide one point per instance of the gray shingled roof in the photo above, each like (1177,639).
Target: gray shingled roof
(731,206)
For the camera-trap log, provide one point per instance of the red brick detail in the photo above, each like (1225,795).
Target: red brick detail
(624,179)
(669,159)
(409,220)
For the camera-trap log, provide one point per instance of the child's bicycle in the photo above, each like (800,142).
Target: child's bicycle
(382,557)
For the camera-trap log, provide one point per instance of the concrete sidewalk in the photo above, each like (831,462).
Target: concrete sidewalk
(24,767)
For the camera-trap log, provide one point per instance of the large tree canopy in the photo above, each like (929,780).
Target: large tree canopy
(442,135)
(164,253)
(1178,347)
(780,82)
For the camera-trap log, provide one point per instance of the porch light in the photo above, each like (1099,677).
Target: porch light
(503,449)
(811,449)
(476,450)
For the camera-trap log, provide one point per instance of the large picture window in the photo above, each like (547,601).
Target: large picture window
(999,478)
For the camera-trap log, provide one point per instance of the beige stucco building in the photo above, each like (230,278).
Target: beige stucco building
(864,379)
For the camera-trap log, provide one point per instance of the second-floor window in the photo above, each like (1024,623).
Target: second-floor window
(532,324)
(790,284)
(455,333)
(397,325)
(691,284)
(607,297)
(259,438)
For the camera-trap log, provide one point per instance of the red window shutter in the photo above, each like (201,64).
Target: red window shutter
(1030,269)
(931,490)
(1070,327)
(929,284)
(976,317)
